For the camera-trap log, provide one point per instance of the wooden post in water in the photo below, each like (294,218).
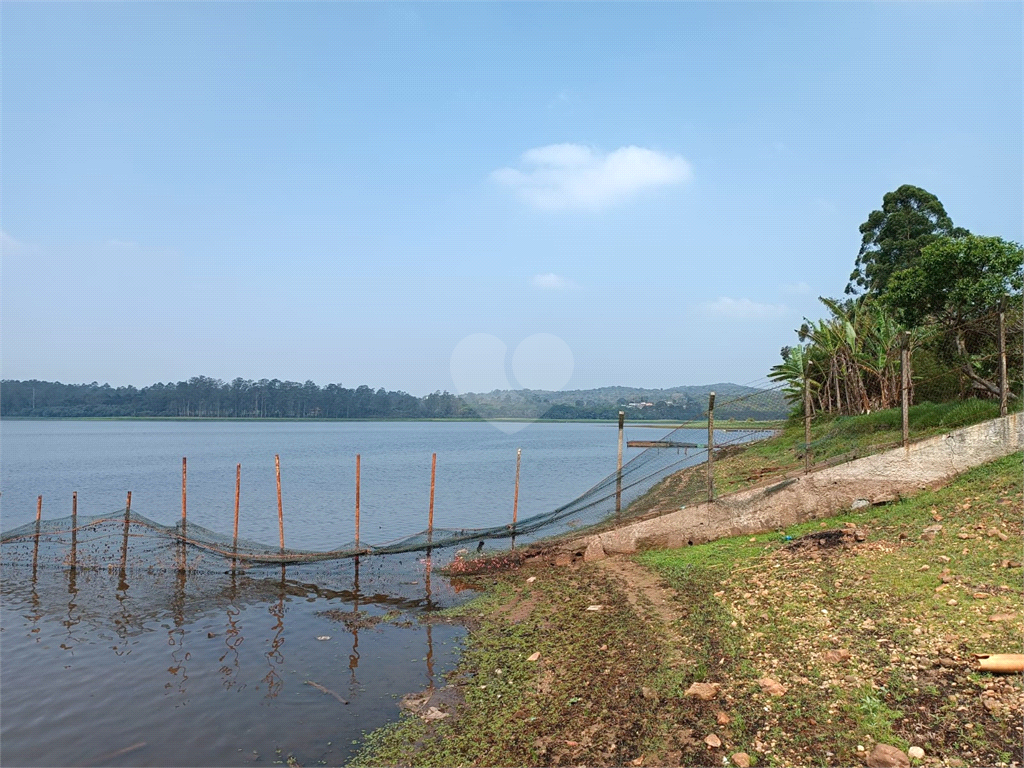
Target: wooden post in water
(184,491)
(711,447)
(807,420)
(280,507)
(1003,383)
(905,375)
(357,503)
(124,544)
(238,495)
(618,466)
(430,518)
(74,530)
(39,508)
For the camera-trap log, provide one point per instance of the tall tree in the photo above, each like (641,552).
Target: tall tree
(957,285)
(892,238)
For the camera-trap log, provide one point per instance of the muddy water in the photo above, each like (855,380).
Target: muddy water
(207,668)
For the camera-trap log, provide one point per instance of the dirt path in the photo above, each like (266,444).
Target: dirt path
(653,602)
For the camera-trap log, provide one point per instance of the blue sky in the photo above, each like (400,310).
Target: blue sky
(348,192)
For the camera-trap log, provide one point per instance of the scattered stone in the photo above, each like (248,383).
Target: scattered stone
(712,741)
(964,536)
(918,631)
(982,595)
(649,693)
(860,504)
(943,558)
(836,656)
(434,714)
(945,661)
(992,532)
(531,580)
(722,718)
(887,756)
(562,559)
(933,529)
(595,607)
(951,602)
(859,535)
(772,687)
(595,551)
(916,752)
(867,624)
(533,656)
(702,691)
(1002,617)
(1002,536)
(741,759)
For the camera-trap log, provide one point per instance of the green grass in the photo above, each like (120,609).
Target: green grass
(832,439)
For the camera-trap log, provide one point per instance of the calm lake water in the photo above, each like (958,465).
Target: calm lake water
(210,667)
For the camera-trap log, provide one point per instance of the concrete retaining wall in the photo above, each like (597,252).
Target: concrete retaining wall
(876,479)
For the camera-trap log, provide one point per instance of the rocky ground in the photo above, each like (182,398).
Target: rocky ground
(852,641)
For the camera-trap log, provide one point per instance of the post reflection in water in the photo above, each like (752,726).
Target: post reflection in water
(176,633)
(273,655)
(232,639)
(353,658)
(430,638)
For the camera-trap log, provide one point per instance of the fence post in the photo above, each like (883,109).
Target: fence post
(184,490)
(430,513)
(515,497)
(1003,383)
(357,503)
(618,466)
(74,531)
(905,372)
(711,447)
(238,494)
(280,507)
(807,419)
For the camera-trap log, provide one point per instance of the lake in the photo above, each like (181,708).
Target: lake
(212,666)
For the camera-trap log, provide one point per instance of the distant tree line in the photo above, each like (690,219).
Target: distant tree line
(205,397)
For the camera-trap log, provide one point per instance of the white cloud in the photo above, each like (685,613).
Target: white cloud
(561,176)
(549,281)
(744,309)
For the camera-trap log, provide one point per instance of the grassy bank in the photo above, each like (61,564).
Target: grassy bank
(867,623)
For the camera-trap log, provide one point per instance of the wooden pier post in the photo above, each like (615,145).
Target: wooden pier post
(357,503)
(618,465)
(711,447)
(280,507)
(39,508)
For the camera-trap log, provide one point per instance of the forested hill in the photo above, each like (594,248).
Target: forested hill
(204,397)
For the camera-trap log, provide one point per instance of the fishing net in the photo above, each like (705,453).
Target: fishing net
(125,539)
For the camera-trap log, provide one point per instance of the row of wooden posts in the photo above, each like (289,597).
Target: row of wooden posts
(280,505)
